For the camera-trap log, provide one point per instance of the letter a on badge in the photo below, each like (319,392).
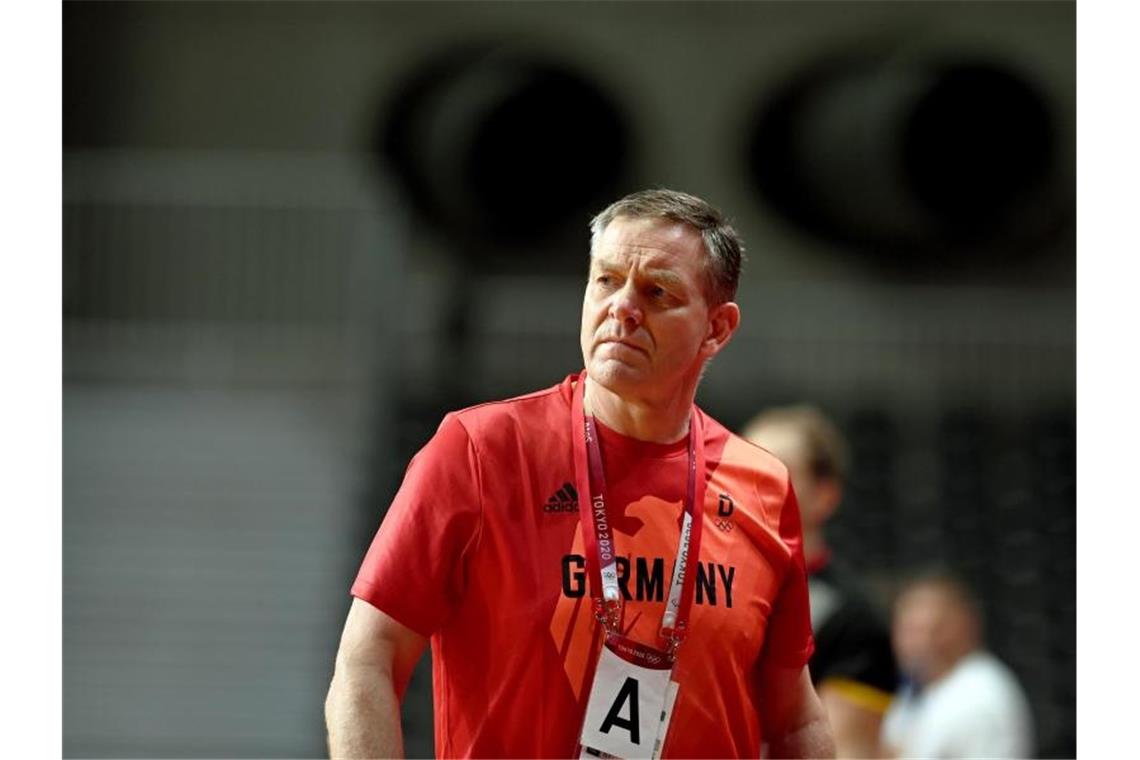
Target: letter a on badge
(627,693)
(610,726)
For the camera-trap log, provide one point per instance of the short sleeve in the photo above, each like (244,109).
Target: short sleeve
(415,568)
(788,642)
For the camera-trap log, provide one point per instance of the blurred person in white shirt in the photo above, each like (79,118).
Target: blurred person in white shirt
(958,700)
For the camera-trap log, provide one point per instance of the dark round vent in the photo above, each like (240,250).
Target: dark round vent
(910,160)
(503,145)
(977,140)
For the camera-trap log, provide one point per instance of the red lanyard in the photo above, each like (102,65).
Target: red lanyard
(598,533)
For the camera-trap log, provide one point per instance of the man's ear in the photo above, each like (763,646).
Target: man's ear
(723,321)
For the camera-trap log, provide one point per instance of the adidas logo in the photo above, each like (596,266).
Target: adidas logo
(565,499)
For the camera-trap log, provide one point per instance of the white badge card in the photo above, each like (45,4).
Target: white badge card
(666,714)
(625,709)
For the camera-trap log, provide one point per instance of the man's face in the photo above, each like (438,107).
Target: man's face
(926,632)
(645,321)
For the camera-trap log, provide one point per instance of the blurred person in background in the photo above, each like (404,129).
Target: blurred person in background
(958,700)
(531,538)
(853,668)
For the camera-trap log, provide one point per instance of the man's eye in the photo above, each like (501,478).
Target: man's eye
(657,292)
(604,279)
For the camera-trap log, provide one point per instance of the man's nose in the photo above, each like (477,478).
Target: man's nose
(625,306)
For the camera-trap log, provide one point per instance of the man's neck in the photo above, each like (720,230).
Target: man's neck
(644,420)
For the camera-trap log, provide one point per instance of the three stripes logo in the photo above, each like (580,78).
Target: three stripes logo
(564,500)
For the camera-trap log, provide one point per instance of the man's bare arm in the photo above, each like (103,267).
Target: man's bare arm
(795,724)
(373,665)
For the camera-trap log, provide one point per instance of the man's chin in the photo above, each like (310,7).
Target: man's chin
(615,374)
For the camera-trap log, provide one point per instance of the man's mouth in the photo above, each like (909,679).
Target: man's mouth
(625,343)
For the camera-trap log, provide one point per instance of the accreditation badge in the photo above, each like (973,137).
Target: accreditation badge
(630,701)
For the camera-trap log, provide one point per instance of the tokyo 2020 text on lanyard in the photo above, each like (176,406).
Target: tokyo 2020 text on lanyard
(598,532)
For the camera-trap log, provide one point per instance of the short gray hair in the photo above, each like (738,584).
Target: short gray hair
(723,246)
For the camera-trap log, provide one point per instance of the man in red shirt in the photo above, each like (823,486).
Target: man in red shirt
(604,533)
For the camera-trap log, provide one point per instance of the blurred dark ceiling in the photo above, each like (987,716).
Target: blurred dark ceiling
(928,140)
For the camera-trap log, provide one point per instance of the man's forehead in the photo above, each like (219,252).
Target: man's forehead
(650,262)
(655,240)
(931,594)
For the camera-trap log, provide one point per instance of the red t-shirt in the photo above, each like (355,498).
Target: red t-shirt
(482,551)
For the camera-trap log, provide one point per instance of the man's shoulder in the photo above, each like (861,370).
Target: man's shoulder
(744,450)
(738,453)
(539,410)
(981,672)
(753,479)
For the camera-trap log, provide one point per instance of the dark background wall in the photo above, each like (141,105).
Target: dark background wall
(296,233)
